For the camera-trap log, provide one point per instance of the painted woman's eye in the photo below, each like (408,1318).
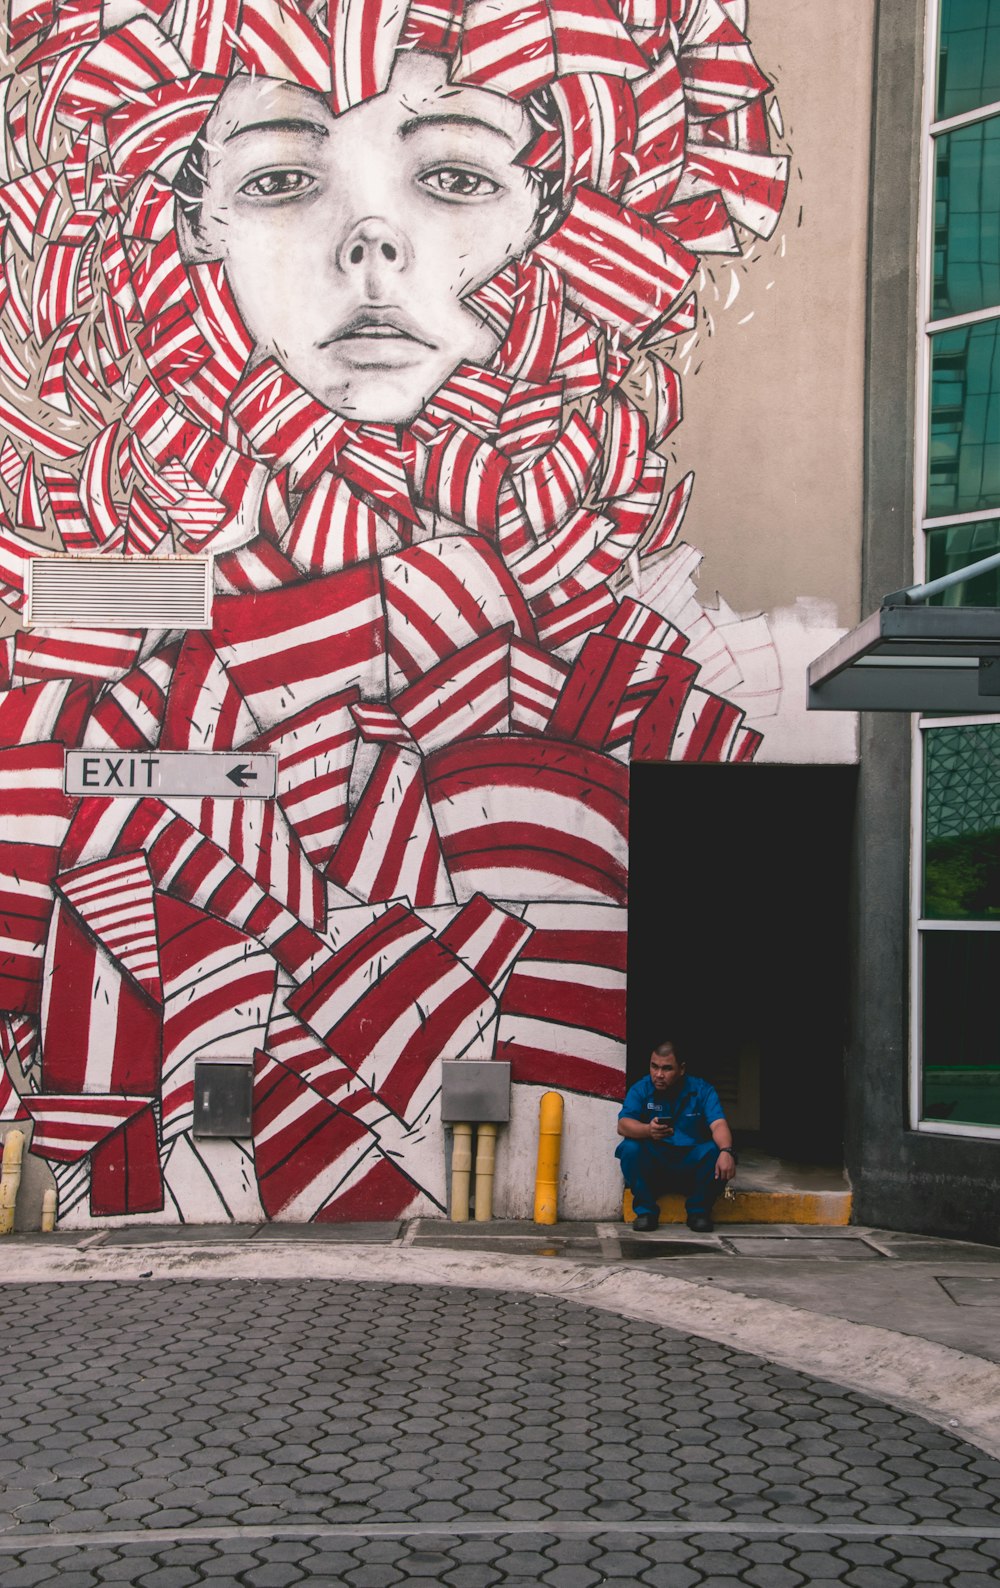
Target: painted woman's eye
(452,181)
(278,185)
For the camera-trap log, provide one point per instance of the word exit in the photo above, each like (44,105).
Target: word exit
(198,774)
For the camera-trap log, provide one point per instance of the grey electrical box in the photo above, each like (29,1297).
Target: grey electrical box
(475,1092)
(223,1097)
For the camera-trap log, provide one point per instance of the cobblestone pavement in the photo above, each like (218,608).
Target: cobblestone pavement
(274,1432)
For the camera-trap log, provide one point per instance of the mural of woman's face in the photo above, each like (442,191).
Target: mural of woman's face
(351,241)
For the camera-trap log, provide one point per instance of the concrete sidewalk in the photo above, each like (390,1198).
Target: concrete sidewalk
(909,1318)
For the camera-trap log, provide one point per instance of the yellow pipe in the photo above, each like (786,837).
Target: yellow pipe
(48,1211)
(461,1172)
(550,1121)
(13,1151)
(486,1141)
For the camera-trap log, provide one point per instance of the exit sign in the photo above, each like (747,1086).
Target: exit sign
(196,774)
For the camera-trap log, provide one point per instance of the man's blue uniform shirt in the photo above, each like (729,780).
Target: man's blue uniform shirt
(695,1107)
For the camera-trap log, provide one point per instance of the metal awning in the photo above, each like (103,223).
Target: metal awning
(910,657)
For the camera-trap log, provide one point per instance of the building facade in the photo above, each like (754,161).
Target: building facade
(474,419)
(923,1139)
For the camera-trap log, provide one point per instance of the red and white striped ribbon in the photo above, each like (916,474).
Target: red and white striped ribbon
(363,39)
(390,847)
(334,528)
(508,47)
(597,114)
(125,1173)
(531,419)
(209,972)
(752,185)
(562,1013)
(620,269)
(204,710)
(486,938)
(442,595)
(463,697)
(68,1128)
(276,39)
(116,1048)
(315,1160)
(315,751)
(562,621)
(536,680)
(293,646)
(74,653)
(114,899)
(661,133)
(393,1022)
(531,818)
(36,712)
(129,714)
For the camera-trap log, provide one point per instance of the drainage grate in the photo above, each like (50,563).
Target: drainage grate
(120,592)
(644,1251)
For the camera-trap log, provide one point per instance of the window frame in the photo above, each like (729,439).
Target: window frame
(932,128)
(921,926)
(927,326)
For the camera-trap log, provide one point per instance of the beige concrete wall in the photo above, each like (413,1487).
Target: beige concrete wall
(773,395)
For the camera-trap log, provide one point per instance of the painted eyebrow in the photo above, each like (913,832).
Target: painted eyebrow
(314,129)
(452,119)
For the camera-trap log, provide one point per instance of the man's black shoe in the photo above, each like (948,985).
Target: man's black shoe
(646,1222)
(701,1224)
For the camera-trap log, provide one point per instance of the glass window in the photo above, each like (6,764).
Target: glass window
(957,896)
(967,219)
(964,444)
(962,823)
(961,1034)
(969,56)
(956,546)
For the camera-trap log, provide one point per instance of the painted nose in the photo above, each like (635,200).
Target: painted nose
(374,247)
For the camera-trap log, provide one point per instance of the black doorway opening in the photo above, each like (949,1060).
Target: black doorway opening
(738,941)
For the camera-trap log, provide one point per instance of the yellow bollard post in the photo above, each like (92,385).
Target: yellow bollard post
(13,1151)
(48,1211)
(461,1172)
(486,1141)
(550,1119)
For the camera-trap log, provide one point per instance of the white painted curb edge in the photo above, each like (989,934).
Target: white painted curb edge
(956,1391)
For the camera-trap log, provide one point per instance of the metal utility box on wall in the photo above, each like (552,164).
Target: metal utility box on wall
(475,1092)
(223,1097)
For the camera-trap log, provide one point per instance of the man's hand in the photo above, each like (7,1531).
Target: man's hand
(725,1166)
(660,1129)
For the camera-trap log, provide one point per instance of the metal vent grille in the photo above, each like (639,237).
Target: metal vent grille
(120,592)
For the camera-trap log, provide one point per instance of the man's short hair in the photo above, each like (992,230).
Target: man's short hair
(668,1045)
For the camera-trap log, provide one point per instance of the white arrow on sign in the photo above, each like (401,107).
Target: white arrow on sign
(200,774)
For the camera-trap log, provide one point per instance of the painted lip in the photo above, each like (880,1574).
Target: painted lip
(379,325)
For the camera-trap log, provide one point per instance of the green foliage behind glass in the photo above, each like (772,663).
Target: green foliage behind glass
(962,877)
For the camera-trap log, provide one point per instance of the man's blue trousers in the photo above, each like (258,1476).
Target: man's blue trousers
(653,1167)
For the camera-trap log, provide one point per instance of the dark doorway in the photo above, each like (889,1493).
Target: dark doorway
(738,908)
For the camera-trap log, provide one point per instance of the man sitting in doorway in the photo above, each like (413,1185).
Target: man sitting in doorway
(675,1138)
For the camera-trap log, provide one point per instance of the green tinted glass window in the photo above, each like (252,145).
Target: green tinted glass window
(962,823)
(956,547)
(961,1033)
(967,219)
(964,444)
(968,56)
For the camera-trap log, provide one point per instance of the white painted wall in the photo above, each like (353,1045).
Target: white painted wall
(590,1181)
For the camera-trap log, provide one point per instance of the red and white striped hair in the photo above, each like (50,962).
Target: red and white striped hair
(128,373)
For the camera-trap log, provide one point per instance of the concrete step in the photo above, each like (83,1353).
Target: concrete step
(770,1190)
(768,1207)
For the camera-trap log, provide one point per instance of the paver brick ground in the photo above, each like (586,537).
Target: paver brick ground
(265,1433)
